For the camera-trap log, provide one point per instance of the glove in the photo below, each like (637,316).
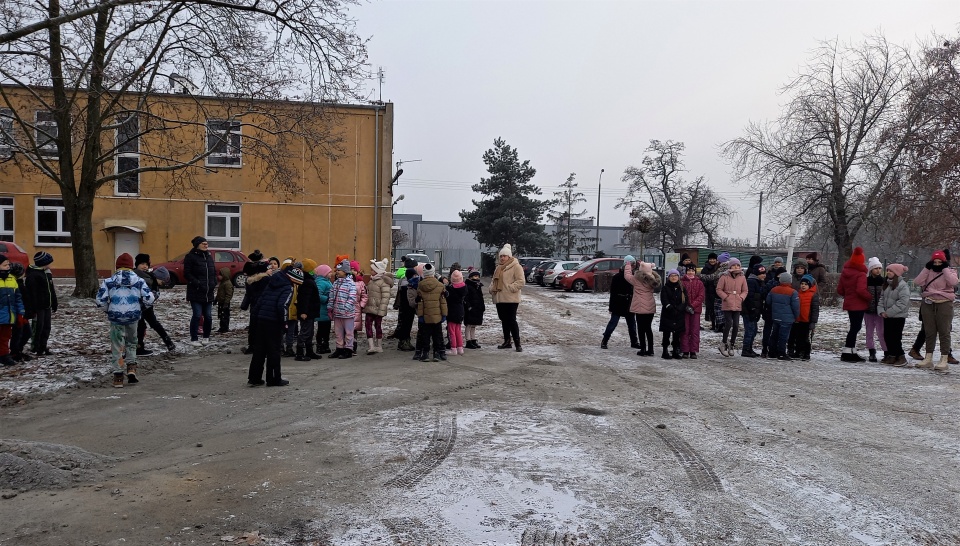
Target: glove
(946,253)
(443,318)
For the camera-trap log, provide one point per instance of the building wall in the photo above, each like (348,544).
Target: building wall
(333,212)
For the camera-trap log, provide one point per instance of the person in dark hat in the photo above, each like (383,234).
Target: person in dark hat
(141,266)
(817,270)
(708,272)
(200,273)
(40,301)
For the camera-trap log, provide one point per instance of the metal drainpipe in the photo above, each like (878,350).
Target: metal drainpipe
(376,184)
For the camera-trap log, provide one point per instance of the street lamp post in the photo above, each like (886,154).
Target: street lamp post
(596,248)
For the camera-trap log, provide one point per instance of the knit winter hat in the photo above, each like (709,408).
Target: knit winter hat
(428,269)
(800,263)
(673,272)
(808,278)
(295,275)
(410,273)
(723,257)
(355,266)
(778,260)
(309,265)
(16,268)
(379,268)
(507,250)
(733,261)
(898,269)
(419,269)
(712,256)
(41,259)
(645,267)
(162,275)
(785,278)
(629,258)
(124,261)
(754,260)
(286,264)
(684,257)
(409,263)
(141,259)
(857,258)
(344,266)
(874,262)
(255,256)
(197,240)
(455,266)
(939,255)
(322,270)
(456,277)
(474,275)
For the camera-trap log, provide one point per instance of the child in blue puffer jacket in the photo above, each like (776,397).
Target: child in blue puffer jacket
(122,294)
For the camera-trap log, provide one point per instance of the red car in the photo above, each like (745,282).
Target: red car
(14,253)
(582,278)
(231,259)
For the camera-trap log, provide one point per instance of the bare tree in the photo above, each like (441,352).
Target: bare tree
(839,143)
(571,233)
(678,209)
(118,72)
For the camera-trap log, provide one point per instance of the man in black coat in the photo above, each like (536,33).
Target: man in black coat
(200,273)
(621,296)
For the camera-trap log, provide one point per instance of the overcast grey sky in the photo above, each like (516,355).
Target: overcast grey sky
(583,86)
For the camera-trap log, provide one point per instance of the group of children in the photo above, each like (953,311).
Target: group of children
(28,301)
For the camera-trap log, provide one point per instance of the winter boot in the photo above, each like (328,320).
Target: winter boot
(952,360)
(676,355)
(927,362)
(371,347)
(118,380)
(805,356)
(288,352)
(171,346)
(310,354)
(942,365)
(763,353)
(887,358)
(346,353)
(748,352)
(603,344)
(301,357)
(785,358)
(354,345)
(505,345)
(849,354)
(516,342)
(143,351)
(417,354)
(442,355)
(900,361)
(424,356)
(873,355)
(324,348)
(132,374)
(724,348)
(666,354)
(7,361)
(915,354)
(693,356)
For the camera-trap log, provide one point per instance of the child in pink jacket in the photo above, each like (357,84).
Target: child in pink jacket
(732,290)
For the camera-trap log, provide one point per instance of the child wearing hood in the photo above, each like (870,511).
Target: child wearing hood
(343,306)
(893,308)
(378,302)
(223,298)
(323,272)
(474,307)
(456,294)
(121,295)
(674,301)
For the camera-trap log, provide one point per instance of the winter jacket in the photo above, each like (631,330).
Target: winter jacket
(753,305)
(308,298)
(935,286)
(696,293)
(274,301)
(201,276)
(362,300)
(732,290)
(708,276)
(432,306)
(852,286)
(38,292)
(412,295)
(621,295)
(225,287)
(11,301)
(645,285)
(507,282)
(875,287)
(324,286)
(473,304)
(378,295)
(784,304)
(151,280)
(252,290)
(456,294)
(673,300)
(122,295)
(292,312)
(819,274)
(895,302)
(343,299)
(809,304)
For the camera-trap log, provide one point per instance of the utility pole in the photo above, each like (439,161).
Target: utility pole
(596,247)
(759,221)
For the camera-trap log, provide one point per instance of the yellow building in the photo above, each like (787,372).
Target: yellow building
(249,184)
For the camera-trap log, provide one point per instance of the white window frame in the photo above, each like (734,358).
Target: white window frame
(45,126)
(232,157)
(230,240)
(61,231)
(7,140)
(129,150)
(6,206)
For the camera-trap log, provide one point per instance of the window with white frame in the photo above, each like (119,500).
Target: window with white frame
(45,132)
(53,229)
(6,132)
(223,226)
(127,156)
(6,219)
(223,143)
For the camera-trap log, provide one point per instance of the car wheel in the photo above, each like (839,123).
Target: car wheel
(579,285)
(240,280)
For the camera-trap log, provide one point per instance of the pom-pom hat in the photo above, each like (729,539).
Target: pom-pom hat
(124,261)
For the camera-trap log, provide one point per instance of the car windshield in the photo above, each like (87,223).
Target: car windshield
(587,265)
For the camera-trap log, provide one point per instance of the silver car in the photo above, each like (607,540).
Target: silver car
(550,274)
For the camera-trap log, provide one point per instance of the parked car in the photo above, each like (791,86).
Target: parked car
(529,262)
(550,274)
(14,253)
(536,272)
(232,259)
(581,279)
